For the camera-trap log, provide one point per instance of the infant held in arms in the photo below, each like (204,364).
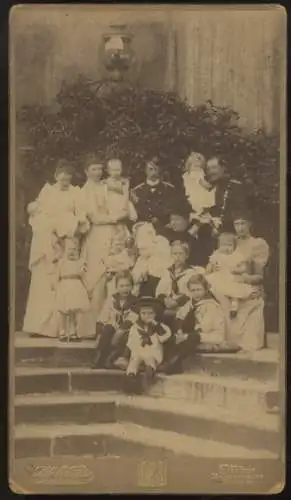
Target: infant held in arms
(225,272)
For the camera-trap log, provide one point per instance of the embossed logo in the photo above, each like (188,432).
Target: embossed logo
(60,474)
(240,474)
(152,474)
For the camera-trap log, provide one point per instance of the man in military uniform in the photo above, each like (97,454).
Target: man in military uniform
(230,195)
(154,198)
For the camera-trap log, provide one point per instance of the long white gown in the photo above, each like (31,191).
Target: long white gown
(55,212)
(95,249)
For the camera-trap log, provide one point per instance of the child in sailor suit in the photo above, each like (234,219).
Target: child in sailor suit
(146,338)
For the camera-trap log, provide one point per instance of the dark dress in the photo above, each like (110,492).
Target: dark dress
(148,287)
(194,257)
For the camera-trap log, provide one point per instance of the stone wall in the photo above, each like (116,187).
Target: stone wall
(230,57)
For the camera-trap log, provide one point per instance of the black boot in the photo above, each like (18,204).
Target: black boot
(98,361)
(173,366)
(129,383)
(109,362)
(132,384)
(103,348)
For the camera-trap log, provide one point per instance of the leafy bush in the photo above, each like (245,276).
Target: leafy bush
(135,124)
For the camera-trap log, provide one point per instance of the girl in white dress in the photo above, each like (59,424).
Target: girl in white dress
(55,214)
(71,296)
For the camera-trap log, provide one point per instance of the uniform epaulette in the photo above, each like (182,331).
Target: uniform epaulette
(234,181)
(168,184)
(139,185)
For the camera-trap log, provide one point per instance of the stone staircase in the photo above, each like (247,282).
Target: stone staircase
(225,406)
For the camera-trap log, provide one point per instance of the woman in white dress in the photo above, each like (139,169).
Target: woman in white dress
(102,228)
(54,215)
(247,329)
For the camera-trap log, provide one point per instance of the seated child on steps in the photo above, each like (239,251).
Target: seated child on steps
(201,314)
(172,287)
(115,321)
(145,342)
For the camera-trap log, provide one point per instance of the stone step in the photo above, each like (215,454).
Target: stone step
(51,352)
(199,421)
(231,393)
(260,365)
(186,419)
(65,408)
(122,439)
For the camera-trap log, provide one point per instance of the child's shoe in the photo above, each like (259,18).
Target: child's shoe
(233,309)
(233,314)
(148,377)
(63,337)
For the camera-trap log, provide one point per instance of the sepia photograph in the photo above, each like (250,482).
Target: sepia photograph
(147,249)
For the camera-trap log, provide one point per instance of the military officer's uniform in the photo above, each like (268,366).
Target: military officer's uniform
(154,201)
(230,197)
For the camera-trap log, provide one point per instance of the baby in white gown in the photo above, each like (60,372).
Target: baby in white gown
(55,214)
(199,193)
(154,253)
(117,190)
(196,189)
(226,266)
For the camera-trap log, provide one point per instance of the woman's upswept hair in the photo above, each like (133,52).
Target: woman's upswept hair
(242,214)
(63,166)
(114,159)
(92,159)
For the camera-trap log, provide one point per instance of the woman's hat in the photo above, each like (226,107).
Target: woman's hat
(183,209)
(156,304)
